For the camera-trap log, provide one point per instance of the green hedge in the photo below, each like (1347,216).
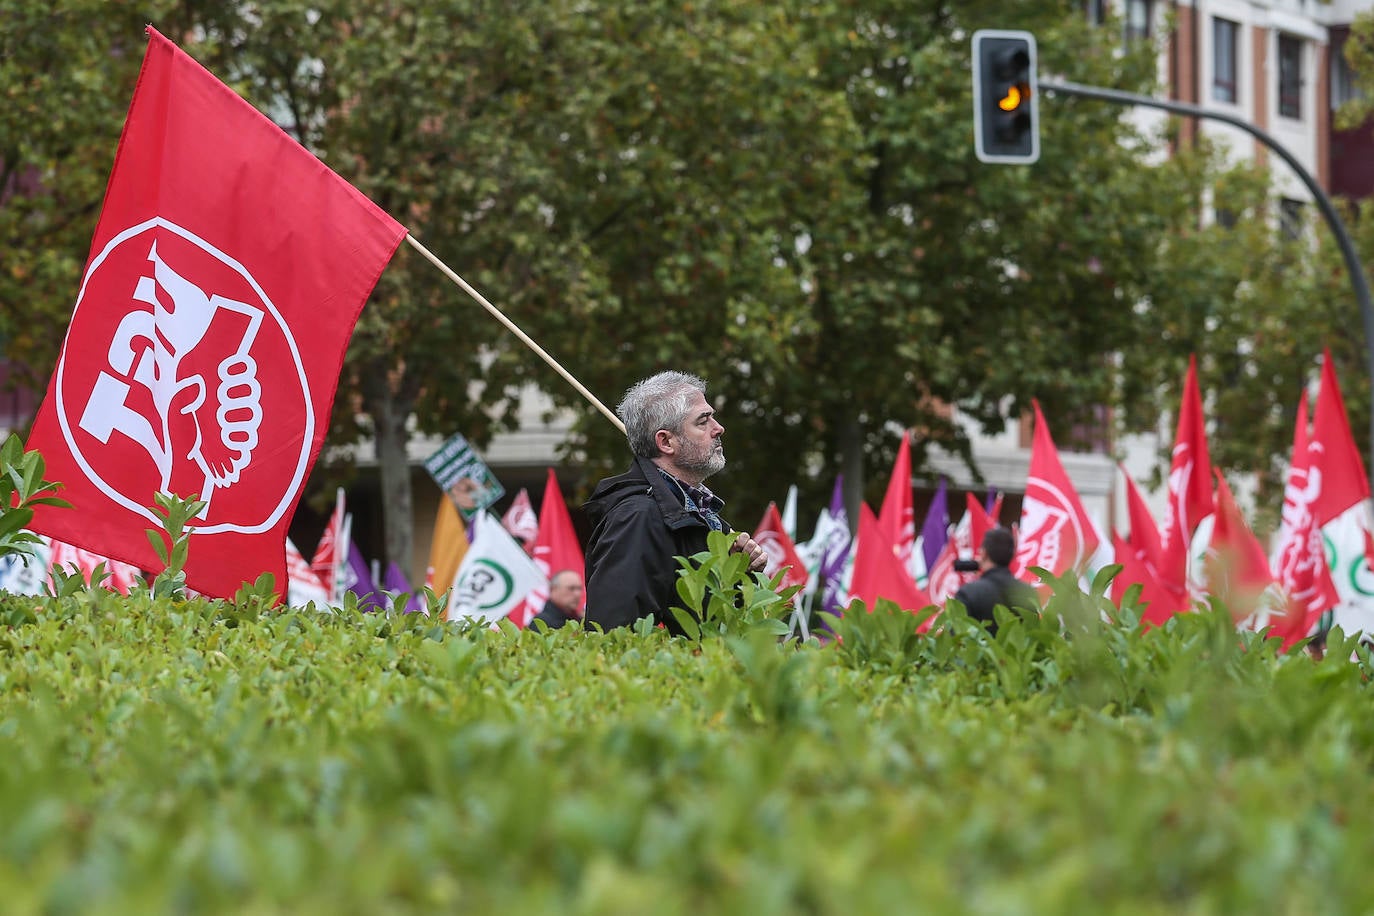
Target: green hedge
(196,756)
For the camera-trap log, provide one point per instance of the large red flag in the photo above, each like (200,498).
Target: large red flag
(227,271)
(1190,485)
(1299,561)
(1339,481)
(877,571)
(897,517)
(1055,532)
(554,549)
(1141,561)
(1237,569)
(782,553)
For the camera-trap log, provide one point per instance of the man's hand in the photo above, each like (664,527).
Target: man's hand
(746,545)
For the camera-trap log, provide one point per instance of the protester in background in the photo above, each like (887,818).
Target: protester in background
(658,509)
(996,585)
(565,600)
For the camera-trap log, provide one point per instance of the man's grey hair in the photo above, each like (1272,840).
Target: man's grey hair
(658,402)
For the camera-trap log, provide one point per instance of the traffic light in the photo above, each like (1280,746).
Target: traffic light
(1006,118)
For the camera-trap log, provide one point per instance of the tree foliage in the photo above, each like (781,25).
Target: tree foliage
(781,197)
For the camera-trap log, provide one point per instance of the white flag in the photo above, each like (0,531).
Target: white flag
(1346,538)
(789,513)
(495,576)
(20,578)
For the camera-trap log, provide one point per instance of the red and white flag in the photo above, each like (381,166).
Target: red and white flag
(227,271)
(782,553)
(1190,486)
(1341,505)
(555,548)
(330,554)
(1299,560)
(1237,570)
(520,519)
(69,559)
(897,517)
(1055,532)
(302,585)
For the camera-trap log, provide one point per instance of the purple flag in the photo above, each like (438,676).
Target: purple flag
(358,580)
(935,530)
(991,502)
(835,553)
(394,581)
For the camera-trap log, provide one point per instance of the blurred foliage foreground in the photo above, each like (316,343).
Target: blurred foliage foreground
(162,755)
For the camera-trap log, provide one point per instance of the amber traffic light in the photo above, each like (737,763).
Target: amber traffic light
(1006,123)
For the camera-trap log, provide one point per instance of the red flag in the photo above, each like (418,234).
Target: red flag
(227,271)
(1190,485)
(897,518)
(1055,531)
(1141,561)
(1300,557)
(328,556)
(980,522)
(878,573)
(1237,569)
(1134,570)
(1339,478)
(521,521)
(555,548)
(782,553)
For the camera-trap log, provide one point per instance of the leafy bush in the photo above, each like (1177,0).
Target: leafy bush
(165,755)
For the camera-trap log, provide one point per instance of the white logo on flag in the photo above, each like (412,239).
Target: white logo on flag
(179,380)
(1049,533)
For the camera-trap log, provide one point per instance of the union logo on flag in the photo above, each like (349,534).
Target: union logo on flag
(179,392)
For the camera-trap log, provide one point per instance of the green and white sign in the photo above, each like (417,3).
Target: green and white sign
(464,476)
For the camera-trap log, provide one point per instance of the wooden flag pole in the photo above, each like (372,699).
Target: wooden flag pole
(510,326)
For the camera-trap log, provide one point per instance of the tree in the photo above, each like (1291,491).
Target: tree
(781,197)
(62,69)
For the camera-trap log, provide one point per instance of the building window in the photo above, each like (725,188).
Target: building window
(1290,76)
(1226,218)
(1096,11)
(1343,86)
(1224,63)
(1139,16)
(1291,218)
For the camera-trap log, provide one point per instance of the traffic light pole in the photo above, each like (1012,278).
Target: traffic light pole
(1333,219)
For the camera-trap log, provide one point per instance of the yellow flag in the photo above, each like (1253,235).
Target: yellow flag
(446,549)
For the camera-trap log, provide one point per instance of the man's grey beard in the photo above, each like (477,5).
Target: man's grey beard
(705,461)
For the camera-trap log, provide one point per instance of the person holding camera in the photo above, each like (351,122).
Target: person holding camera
(996,585)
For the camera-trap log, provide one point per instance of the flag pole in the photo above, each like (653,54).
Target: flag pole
(510,326)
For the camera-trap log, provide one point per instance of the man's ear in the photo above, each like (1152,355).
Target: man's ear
(664,440)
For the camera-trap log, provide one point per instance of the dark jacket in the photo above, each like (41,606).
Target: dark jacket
(552,615)
(995,586)
(640,525)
